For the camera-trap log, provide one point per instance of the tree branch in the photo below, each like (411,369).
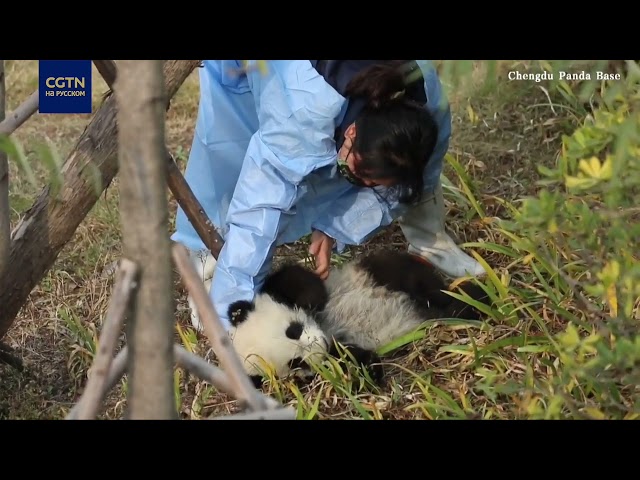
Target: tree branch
(243,389)
(117,370)
(5,212)
(192,208)
(108,71)
(20,114)
(124,287)
(202,369)
(282,413)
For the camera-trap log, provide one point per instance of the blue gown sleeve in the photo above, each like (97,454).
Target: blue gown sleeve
(361,212)
(296,112)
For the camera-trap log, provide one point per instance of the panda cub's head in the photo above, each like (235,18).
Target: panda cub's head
(277,329)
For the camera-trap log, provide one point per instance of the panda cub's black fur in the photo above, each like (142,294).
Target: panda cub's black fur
(371,301)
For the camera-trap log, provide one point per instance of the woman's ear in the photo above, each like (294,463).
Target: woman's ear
(350,132)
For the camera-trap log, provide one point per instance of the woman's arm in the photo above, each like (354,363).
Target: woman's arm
(297,111)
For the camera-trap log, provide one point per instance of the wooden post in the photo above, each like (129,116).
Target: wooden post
(145,215)
(50,223)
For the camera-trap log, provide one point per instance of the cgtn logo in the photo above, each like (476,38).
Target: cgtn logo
(65,86)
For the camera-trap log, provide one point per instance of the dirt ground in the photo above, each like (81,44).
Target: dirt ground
(499,137)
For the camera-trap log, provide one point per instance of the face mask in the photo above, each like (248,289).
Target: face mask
(346,173)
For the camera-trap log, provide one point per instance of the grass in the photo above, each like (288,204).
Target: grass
(502,368)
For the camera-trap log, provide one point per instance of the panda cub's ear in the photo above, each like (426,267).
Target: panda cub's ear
(239,311)
(296,286)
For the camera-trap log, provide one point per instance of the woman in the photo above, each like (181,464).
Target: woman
(339,148)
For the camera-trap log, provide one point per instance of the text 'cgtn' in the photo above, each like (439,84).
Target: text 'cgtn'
(66,82)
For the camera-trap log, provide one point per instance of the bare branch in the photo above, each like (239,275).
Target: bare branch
(5,213)
(202,369)
(108,71)
(283,413)
(20,114)
(124,286)
(117,370)
(193,209)
(243,389)
(140,96)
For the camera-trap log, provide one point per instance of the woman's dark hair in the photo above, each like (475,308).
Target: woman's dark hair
(395,135)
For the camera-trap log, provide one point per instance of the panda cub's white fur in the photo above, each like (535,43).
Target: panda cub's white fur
(274,333)
(365,314)
(384,295)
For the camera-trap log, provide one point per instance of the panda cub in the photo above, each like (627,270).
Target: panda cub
(278,327)
(385,295)
(363,305)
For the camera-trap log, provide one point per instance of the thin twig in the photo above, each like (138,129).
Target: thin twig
(125,285)
(117,370)
(283,413)
(20,114)
(243,389)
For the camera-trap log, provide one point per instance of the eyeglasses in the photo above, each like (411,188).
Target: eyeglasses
(345,171)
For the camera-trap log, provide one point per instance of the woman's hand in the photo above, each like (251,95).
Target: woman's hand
(320,248)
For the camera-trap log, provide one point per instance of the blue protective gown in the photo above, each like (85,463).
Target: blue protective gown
(263,165)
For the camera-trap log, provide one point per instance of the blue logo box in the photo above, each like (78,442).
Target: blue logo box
(65,86)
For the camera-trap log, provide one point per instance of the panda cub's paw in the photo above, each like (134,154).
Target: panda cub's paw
(238,311)
(371,362)
(304,374)
(366,359)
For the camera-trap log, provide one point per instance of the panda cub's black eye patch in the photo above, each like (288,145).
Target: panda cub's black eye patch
(294,330)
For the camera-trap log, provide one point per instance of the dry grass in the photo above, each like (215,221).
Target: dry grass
(453,372)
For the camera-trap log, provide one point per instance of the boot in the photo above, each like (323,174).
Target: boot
(423,227)
(205,265)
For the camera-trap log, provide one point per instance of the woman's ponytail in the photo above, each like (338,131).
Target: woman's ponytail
(379,83)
